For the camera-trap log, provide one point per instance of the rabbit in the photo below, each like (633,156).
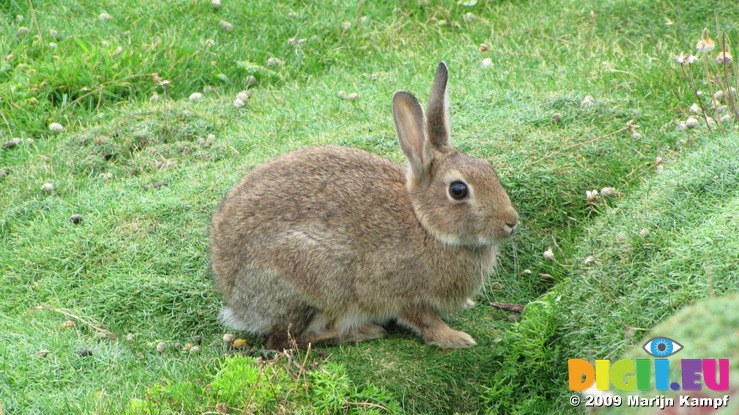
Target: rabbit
(326,244)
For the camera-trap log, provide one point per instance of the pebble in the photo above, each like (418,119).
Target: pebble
(76,219)
(157,185)
(12,143)
(548,254)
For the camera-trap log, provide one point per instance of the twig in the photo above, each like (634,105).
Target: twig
(368,404)
(514,308)
(99,89)
(10,130)
(35,22)
(577,145)
(94,325)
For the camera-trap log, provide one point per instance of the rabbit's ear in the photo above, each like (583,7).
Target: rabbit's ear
(437,127)
(409,125)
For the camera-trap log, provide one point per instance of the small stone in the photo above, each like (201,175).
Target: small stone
(55,127)
(47,187)
(76,219)
(211,137)
(556,117)
(195,349)
(644,233)
(681,126)
(215,4)
(42,353)
(238,103)
(636,136)
(341,94)
(161,347)
(53,45)
(548,254)
(346,26)
(608,191)
(228,338)
(527,272)
(589,260)
(587,101)
(696,109)
(352,96)
(12,143)
(130,337)
(195,97)
(84,353)
(239,343)
(273,62)
(69,324)
(226,26)
(250,80)
(104,16)
(692,122)
(243,95)
(157,185)
(514,317)
(486,63)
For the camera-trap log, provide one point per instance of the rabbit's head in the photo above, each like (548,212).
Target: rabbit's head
(457,198)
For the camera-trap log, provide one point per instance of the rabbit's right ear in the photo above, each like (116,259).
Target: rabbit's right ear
(410,127)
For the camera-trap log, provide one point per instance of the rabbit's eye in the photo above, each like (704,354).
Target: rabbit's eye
(458,190)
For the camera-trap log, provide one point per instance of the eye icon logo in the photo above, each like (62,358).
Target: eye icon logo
(662,347)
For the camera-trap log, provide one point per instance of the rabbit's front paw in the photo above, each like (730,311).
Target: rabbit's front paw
(453,339)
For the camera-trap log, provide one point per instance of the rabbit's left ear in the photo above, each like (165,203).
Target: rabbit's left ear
(437,125)
(409,125)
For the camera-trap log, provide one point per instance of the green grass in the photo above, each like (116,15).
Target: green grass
(138,261)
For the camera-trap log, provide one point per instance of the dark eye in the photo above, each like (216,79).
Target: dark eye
(458,190)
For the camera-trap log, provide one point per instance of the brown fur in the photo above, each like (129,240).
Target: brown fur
(329,241)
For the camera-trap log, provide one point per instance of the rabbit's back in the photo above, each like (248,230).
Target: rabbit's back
(311,214)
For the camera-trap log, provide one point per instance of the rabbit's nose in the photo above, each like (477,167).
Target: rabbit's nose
(511,221)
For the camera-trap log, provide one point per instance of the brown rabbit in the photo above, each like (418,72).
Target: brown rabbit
(329,242)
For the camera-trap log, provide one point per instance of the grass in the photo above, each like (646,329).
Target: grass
(137,263)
